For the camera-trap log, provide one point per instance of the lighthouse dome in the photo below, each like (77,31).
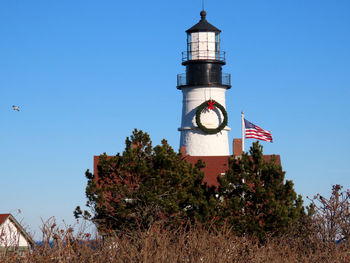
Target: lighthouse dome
(203,25)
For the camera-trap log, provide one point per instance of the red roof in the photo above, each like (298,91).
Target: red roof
(3,218)
(215,165)
(96,158)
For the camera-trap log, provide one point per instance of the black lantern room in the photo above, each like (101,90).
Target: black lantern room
(203,58)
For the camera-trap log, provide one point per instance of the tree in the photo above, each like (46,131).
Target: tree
(255,199)
(331,216)
(145,185)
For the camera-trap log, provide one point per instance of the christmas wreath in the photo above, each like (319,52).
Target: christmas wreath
(210,104)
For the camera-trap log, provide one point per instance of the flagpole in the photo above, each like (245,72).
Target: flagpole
(243,129)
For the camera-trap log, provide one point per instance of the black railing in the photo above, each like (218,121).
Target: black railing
(182,80)
(204,55)
(226,79)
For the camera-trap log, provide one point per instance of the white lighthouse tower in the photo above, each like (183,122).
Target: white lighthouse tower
(204,130)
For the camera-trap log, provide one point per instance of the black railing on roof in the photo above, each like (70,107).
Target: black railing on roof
(204,55)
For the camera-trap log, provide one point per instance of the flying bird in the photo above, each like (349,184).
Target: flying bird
(15,107)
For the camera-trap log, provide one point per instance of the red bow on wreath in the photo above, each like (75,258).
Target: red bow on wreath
(211,104)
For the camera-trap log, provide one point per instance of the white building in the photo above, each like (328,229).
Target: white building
(12,235)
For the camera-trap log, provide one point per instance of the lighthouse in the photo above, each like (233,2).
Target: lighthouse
(204,124)
(204,130)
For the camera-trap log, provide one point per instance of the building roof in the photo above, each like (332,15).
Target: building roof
(203,25)
(217,165)
(4,217)
(214,165)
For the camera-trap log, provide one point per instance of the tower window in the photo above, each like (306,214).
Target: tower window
(189,46)
(202,45)
(217,45)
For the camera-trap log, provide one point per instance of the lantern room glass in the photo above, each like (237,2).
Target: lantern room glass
(203,45)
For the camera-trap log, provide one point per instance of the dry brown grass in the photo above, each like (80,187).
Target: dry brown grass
(311,241)
(178,245)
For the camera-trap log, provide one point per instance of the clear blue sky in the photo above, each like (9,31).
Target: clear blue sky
(86,73)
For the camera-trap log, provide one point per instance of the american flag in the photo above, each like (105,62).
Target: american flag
(255,132)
